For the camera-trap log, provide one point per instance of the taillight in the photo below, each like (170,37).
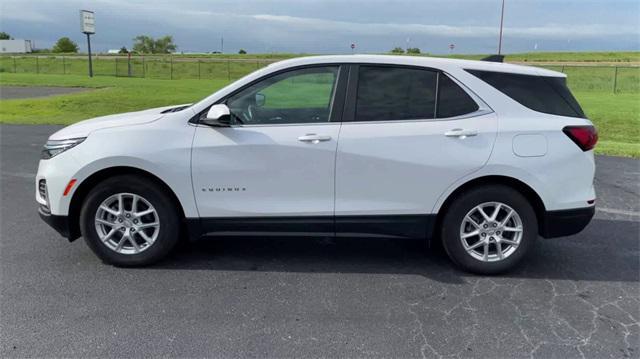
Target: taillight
(585,137)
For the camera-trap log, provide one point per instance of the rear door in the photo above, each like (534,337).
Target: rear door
(408,134)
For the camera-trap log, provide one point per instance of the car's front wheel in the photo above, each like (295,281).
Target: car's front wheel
(488,230)
(129,221)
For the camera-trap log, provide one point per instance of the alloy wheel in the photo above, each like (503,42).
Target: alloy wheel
(127,223)
(491,231)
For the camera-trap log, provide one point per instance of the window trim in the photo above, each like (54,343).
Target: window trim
(335,106)
(349,113)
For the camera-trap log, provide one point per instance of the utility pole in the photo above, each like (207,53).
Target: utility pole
(501,25)
(222,44)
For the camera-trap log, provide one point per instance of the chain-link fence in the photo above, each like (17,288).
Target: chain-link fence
(616,79)
(611,78)
(166,67)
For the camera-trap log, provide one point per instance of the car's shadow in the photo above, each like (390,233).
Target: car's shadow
(607,250)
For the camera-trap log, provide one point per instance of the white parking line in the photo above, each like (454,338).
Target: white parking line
(20,174)
(599,209)
(618,211)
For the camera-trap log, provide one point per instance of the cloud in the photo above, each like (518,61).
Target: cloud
(327,25)
(12,11)
(546,32)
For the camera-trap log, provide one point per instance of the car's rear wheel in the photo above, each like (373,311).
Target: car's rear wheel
(129,221)
(489,229)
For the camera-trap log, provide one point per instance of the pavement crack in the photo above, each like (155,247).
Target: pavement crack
(420,333)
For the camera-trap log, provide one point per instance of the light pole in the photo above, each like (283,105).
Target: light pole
(501,25)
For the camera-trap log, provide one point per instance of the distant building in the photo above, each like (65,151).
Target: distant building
(15,46)
(113,51)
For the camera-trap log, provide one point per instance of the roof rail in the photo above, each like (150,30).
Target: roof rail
(494,58)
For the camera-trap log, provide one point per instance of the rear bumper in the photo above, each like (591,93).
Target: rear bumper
(59,223)
(565,222)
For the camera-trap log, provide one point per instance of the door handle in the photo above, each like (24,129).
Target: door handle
(460,133)
(313,138)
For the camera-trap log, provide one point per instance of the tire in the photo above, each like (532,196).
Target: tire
(513,246)
(161,226)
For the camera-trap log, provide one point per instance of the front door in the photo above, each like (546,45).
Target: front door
(275,165)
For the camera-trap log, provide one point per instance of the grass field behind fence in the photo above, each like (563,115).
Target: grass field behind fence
(620,78)
(169,68)
(617,115)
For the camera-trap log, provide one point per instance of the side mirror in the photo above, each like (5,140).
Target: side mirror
(218,116)
(260,99)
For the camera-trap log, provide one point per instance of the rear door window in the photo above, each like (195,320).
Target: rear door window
(539,93)
(393,94)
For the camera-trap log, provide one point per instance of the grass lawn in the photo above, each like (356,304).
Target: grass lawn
(107,95)
(617,116)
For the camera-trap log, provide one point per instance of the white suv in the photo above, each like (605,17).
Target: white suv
(483,156)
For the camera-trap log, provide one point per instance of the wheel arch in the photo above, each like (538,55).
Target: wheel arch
(86,185)
(529,193)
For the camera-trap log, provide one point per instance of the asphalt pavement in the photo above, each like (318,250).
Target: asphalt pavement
(298,297)
(17,92)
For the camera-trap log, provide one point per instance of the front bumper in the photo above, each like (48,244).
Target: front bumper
(59,223)
(565,222)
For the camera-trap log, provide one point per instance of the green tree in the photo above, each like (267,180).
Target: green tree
(123,50)
(148,45)
(5,36)
(413,50)
(242,52)
(397,50)
(64,44)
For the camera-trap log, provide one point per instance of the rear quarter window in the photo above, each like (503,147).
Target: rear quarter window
(539,93)
(452,99)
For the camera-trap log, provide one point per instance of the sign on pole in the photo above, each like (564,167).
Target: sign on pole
(87,22)
(88,27)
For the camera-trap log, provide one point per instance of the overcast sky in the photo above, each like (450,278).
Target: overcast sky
(330,26)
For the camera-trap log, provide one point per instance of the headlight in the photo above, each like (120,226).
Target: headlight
(55,147)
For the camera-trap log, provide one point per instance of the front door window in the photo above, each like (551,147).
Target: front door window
(294,97)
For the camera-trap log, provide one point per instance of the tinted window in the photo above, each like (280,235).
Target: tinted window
(298,96)
(391,94)
(539,93)
(453,100)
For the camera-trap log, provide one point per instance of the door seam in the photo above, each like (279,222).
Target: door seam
(335,176)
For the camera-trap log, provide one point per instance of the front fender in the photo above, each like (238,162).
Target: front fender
(162,148)
(178,181)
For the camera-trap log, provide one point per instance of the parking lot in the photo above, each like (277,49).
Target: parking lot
(19,92)
(299,297)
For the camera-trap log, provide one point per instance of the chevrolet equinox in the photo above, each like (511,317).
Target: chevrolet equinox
(482,156)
